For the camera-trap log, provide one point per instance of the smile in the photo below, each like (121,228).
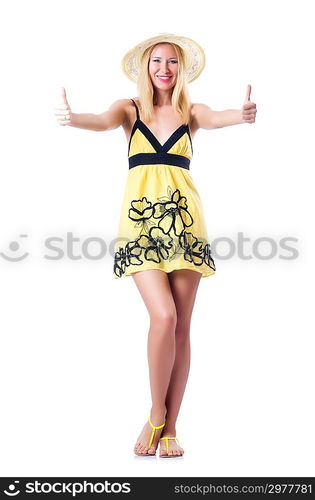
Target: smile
(164,78)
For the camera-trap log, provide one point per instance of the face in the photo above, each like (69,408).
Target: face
(163,62)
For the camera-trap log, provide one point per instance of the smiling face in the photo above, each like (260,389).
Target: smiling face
(163,62)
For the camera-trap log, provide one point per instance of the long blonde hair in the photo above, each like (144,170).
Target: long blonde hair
(180,95)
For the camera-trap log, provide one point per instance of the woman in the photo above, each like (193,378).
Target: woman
(162,238)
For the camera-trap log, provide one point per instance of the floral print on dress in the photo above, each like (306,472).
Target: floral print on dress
(162,234)
(173,214)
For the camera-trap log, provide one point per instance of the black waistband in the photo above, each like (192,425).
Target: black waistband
(166,158)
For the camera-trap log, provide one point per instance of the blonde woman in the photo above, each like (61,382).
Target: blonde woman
(162,239)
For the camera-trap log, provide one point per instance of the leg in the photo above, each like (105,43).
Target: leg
(184,284)
(155,290)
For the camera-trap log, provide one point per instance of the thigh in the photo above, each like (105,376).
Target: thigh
(156,292)
(184,285)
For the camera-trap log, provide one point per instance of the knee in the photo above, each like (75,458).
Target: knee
(165,319)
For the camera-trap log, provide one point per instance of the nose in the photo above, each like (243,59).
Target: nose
(164,67)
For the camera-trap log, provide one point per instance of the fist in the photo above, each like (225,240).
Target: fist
(248,111)
(62,110)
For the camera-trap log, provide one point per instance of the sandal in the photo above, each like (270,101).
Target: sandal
(154,428)
(169,456)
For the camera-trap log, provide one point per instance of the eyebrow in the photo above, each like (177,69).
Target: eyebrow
(158,57)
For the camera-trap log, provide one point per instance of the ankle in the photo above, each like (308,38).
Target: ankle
(157,415)
(168,431)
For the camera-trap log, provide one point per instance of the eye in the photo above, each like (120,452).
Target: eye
(157,60)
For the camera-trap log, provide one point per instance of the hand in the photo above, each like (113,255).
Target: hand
(248,111)
(62,110)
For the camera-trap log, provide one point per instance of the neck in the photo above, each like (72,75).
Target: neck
(162,98)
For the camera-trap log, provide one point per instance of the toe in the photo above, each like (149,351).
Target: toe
(162,451)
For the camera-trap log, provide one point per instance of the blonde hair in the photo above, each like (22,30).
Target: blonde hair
(180,95)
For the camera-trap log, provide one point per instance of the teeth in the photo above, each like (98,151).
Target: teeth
(164,77)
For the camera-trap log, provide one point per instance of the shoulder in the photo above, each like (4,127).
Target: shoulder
(195,112)
(121,104)
(197,108)
(202,116)
(123,107)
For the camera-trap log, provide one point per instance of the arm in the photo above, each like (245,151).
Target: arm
(228,117)
(205,117)
(110,119)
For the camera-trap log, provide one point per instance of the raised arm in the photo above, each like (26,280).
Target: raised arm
(110,119)
(205,117)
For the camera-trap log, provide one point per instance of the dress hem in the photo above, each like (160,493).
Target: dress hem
(203,273)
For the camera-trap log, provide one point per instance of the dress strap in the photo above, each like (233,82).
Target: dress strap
(138,115)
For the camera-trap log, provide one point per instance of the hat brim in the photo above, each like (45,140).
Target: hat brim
(195,58)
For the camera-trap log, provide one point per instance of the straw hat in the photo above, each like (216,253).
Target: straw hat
(195,58)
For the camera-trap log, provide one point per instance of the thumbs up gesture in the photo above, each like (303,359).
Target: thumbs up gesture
(62,110)
(248,111)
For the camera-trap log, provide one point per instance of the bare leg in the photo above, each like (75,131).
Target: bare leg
(155,290)
(184,284)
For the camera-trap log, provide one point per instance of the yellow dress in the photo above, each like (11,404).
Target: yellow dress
(162,225)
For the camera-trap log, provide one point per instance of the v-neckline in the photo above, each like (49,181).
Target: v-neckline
(162,146)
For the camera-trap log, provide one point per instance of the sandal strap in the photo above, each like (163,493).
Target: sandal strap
(154,428)
(167,438)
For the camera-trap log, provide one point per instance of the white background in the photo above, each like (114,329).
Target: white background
(74,374)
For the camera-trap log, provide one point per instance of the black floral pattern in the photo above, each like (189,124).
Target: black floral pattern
(162,234)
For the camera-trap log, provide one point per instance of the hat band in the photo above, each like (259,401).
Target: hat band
(158,158)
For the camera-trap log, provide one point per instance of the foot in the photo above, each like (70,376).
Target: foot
(174,449)
(141,446)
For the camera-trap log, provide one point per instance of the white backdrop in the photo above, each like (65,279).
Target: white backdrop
(74,374)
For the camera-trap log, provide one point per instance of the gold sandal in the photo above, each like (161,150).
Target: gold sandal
(154,428)
(167,447)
